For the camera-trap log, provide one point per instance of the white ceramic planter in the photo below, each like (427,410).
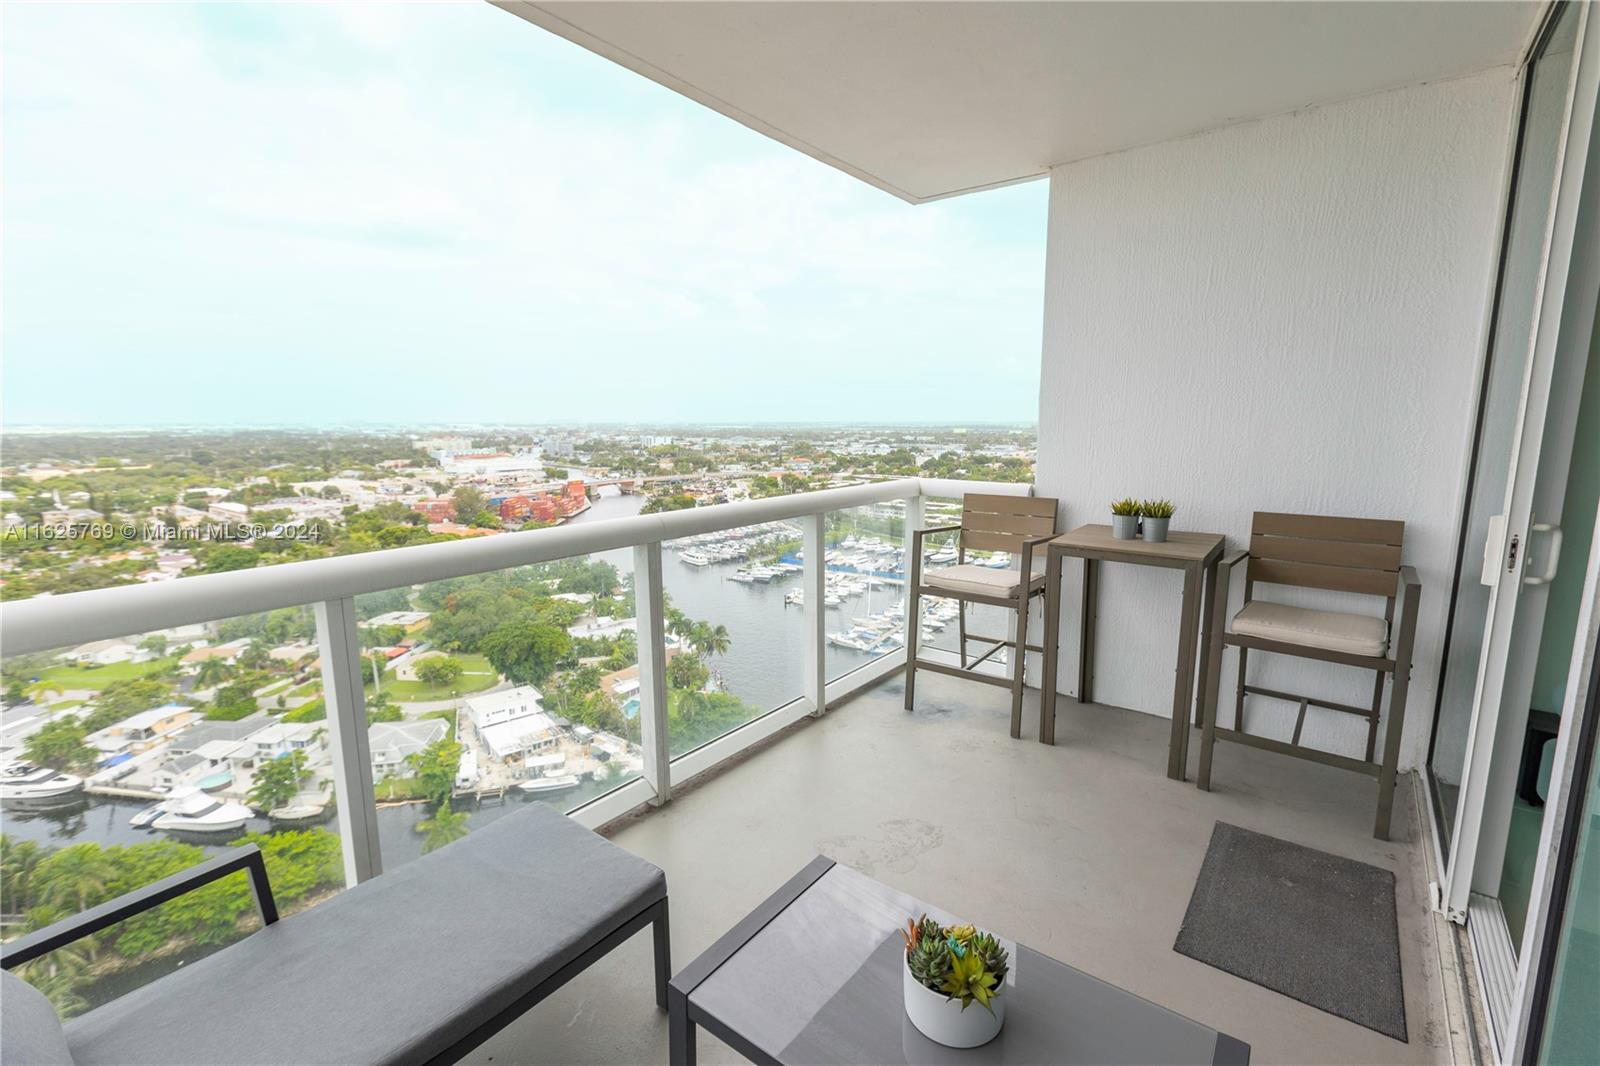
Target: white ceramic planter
(1125,526)
(941,1019)
(1155,529)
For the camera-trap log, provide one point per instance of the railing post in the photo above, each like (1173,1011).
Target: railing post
(650,613)
(340,644)
(915,519)
(815,583)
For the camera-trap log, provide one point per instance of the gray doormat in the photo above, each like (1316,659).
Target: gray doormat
(1316,927)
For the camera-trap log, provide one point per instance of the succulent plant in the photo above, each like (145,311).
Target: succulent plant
(960,961)
(930,962)
(969,981)
(1125,506)
(1157,508)
(995,958)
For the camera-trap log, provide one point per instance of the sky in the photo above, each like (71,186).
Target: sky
(303,214)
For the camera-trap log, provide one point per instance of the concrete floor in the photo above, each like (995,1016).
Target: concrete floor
(1094,853)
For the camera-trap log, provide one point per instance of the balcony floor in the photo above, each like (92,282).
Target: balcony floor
(1096,856)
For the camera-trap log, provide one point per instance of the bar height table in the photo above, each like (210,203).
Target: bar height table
(1196,554)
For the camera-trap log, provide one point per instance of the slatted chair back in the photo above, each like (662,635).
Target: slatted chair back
(1002,523)
(1360,555)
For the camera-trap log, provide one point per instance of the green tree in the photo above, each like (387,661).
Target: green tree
(439,671)
(677,502)
(436,767)
(526,651)
(155,643)
(120,699)
(59,744)
(708,640)
(278,781)
(19,871)
(687,673)
(226,557)
(444,826)
(213,671)
(469,501)
(76,878)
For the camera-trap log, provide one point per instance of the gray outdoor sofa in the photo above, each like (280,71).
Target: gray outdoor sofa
(419,965)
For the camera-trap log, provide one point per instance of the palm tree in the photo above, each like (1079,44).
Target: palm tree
(445,827)
(714,640)
(212,672)
(19,866)
(76,878)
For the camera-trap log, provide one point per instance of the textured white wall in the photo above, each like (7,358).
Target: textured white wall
(1284,315)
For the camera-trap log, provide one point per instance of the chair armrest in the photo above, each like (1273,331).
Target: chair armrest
(1230,561)
(59,934)
(1410,588)
(1028,544)
(918,534)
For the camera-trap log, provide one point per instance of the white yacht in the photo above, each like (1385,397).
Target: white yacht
(192,811)
(24,781)
(542,785)
(695,558)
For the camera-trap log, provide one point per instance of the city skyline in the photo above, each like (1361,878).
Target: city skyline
(438,215)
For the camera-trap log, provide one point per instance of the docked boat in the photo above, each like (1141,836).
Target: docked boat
(298,814)
(539,786)
(943,555)
(146,817)
(25,781)
(695,558)
(794,598)
(192,811)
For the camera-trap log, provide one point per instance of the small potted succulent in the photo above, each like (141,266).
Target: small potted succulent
(1125,518)
(1157,513)
(948,970)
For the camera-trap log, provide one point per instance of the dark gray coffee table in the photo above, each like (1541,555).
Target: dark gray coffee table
(813,976)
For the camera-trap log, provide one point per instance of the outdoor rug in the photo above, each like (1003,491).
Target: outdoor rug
(1316,927)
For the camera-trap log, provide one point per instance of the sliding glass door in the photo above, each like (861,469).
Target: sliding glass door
(1507,376)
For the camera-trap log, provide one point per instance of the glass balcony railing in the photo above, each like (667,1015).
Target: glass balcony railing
(138,757)
(378,706)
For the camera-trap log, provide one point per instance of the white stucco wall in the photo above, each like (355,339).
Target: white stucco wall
(1282,315)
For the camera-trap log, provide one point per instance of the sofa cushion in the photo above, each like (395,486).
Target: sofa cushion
(395,970)
(30,1032)
(1357,634)
(982,580)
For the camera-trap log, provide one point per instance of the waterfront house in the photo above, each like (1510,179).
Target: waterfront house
(492,708)
(143,731)
(514,738)
(228,653)
(206,732)
(392,743)
(279,738)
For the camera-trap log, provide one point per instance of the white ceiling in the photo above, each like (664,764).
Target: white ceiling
(927,99)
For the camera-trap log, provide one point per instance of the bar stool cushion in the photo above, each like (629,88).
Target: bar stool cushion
(982,580)
(30,1032)
(1354,634)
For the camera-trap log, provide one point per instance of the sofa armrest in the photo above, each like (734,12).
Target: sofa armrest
(59,934)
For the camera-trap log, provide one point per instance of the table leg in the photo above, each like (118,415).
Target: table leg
(680,1030)
(1216,625)
(1091,608)
(1183,683)
(1052,642)
(1206,622)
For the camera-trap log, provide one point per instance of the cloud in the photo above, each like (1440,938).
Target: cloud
(392,212)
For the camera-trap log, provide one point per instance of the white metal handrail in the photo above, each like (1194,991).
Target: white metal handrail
(51,622)
(331,585)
